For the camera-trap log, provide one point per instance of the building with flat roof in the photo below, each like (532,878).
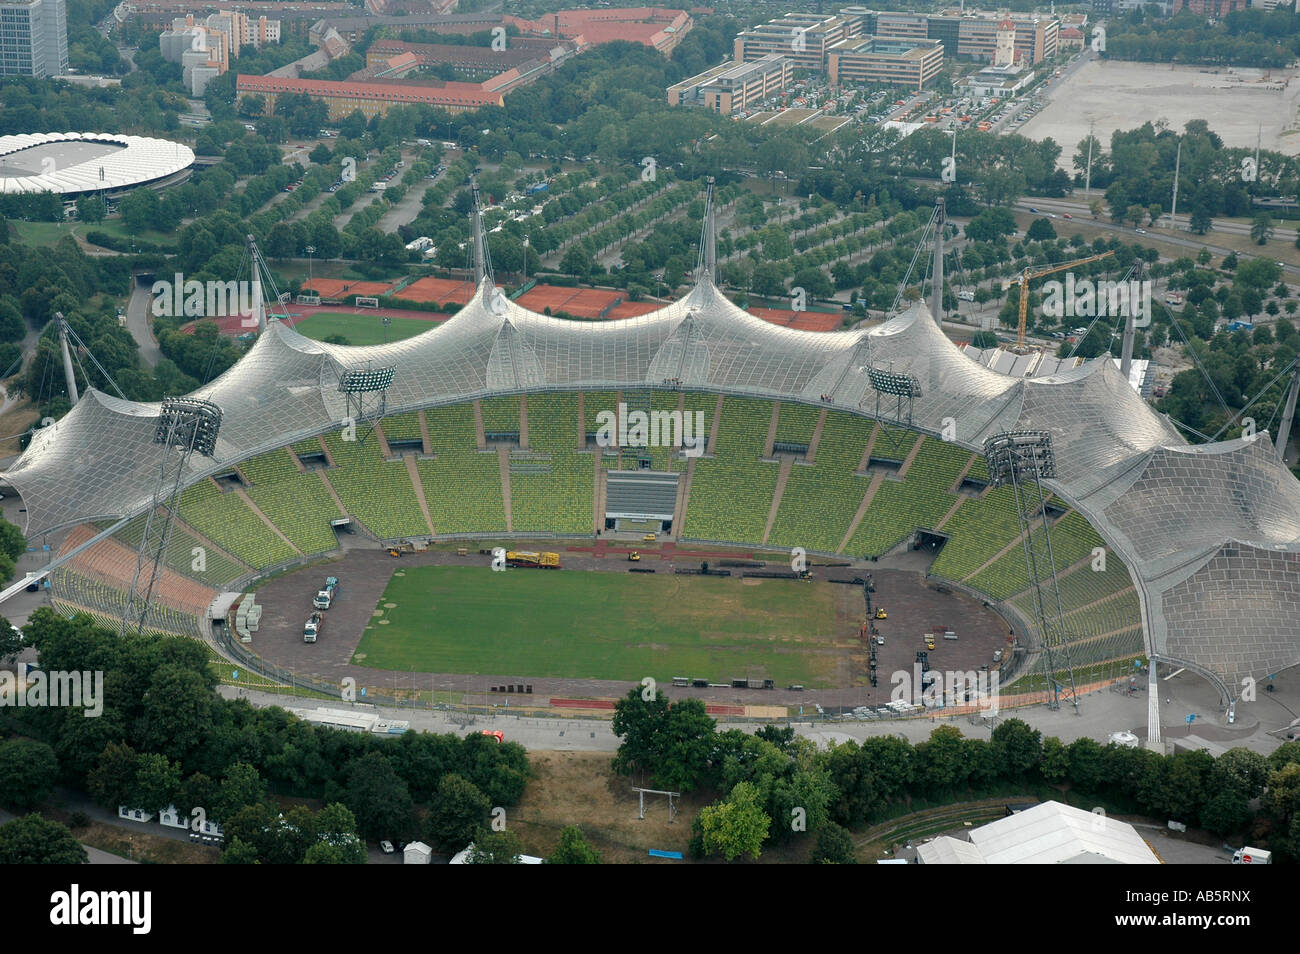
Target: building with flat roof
(733,87)
(872,59)
(803,37)
(970,34)
(374,97)
(659,27)
(33,38)
(996,81)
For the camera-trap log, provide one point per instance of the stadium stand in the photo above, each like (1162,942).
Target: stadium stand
(921,499)
(556,493)
(225,520)
(114,564)
(1072,540)
(797,423)
(820,501)
(376,492)
(731,493)
(462,485)
(309,446)
(402,427)
(977,531)
(501,414)
(181,555)
(298,504)
(105,604)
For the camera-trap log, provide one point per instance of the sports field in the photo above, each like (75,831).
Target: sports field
(623,626)
(358,329)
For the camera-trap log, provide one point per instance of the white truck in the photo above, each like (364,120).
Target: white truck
(313,627)
(1252,856)
(325,597)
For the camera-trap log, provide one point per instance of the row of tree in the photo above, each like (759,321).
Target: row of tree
(165,738)
(775,788)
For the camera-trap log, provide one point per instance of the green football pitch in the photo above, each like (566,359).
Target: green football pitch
(359,329)
(625,626)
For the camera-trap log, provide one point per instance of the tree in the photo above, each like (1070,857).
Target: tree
(1261,229)
(157,783)
(577,261)
(834,846)
(573,849)
(735,827)
(91,209)
(495,848)
(1040,230)
(34,840)
(239,852)
(1054,760)
(321,155)
(378,798)
(241,787)
(11,644)
(28,771)
(456,811)
(1017,746)
(111,782)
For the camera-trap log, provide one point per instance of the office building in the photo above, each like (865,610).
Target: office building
(33,38)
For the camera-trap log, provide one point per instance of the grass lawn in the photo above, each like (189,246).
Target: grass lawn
(359,329)
(49,233)
(606,626)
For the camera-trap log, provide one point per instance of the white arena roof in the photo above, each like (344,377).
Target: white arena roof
(74,163)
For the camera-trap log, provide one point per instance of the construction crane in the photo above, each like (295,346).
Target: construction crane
(1028,275)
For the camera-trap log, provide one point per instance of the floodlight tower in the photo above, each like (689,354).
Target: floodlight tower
(185,426)
(357,384)
(1024,459)
(905,387)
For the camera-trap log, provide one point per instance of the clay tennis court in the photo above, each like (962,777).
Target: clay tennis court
(438,290)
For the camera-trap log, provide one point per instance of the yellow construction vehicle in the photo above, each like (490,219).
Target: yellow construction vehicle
(1028,275)
(881,614)
(634,557)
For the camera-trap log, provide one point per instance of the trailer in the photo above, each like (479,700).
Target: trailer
(533,559)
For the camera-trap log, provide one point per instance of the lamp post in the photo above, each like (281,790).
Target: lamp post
(311,250)
(387,321)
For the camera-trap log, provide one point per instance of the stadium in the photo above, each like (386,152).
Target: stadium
(486,431)
(74,164)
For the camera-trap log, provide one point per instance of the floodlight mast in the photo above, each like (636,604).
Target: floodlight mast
(905,387)
(188,426)
(1024,459)
(356,383)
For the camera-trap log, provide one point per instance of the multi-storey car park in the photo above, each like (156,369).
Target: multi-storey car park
(488,432)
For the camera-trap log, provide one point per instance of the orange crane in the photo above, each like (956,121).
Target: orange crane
(1027,275)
